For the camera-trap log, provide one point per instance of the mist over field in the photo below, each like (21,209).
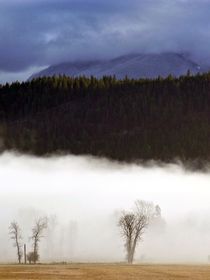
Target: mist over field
(83,198)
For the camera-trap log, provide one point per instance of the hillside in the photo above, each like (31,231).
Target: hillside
(126,120)
(133,66)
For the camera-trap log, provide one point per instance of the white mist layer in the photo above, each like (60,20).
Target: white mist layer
(83,198)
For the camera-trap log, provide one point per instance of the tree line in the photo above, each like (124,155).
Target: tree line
(15,233)
(132,225)
(126,120)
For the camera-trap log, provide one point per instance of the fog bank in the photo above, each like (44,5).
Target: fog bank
(83,198)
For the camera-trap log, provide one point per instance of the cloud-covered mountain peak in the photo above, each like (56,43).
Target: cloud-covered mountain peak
(131,65)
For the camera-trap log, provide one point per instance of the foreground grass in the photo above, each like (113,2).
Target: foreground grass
(104,272)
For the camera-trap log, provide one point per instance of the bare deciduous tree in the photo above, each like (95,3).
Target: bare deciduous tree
(15,234)
(133,225)
(37,234)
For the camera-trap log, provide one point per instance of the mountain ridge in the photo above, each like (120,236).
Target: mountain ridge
(131,65)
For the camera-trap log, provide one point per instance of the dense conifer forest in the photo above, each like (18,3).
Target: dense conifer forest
(126,120)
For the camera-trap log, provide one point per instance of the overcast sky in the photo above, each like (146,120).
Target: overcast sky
(37,33)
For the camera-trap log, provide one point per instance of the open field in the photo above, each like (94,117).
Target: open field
(104,272)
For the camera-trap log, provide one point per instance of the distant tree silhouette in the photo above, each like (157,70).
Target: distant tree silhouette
(37,233)
(15,234)
(32,257)
(133,224)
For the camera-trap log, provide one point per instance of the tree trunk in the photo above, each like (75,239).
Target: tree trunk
(18,251)
(129,252)
(133,249)
(35,252)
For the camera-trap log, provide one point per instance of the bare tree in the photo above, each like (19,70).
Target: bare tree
(133,225)
(37,234)
(15,234)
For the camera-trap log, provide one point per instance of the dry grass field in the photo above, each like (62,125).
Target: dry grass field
(104,272)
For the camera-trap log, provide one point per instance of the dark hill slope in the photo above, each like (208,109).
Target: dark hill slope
(129,120)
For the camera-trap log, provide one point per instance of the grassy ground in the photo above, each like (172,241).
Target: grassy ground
(104,272)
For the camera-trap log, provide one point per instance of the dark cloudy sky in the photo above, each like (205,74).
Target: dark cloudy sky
(37,33)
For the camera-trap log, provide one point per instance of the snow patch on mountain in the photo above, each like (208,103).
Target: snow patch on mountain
(133,66)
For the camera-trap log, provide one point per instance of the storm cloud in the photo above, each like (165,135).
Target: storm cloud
(37,33)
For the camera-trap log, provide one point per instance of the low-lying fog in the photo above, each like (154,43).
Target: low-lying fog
(83,197)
